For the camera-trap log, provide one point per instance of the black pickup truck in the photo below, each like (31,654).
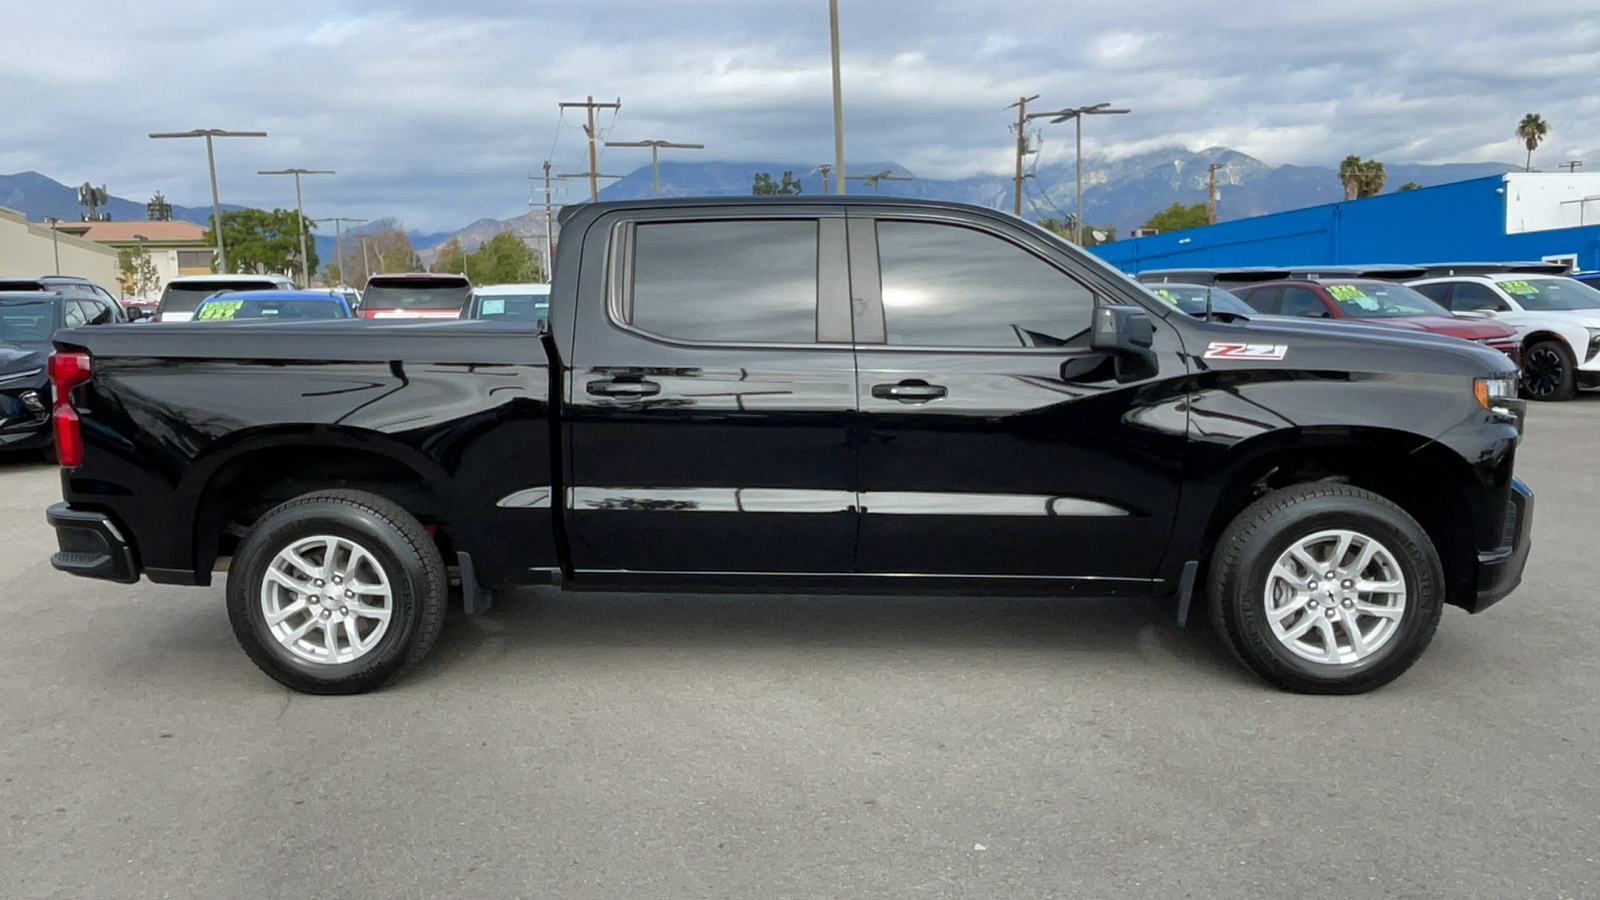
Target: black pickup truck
(801,395)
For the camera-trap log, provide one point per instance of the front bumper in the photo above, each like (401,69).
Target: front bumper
(92,546)
(1500,570)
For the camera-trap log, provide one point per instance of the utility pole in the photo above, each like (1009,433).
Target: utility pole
(1211,192)
(1077,114)
(655,157)
(885,175)
(300,220)
(549,223)
(55,242)
(1572,166)
(824,169)
(1022,150)
(338,239)
(838,98)
(211,161)
(594,172)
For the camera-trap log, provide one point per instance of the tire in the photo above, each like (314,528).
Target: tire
(346,644)
(1549,371)
(1254,589)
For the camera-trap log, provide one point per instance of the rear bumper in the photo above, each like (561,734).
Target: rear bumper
(1500,570)
(92,546)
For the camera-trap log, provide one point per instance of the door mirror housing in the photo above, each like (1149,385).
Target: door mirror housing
(1126,333)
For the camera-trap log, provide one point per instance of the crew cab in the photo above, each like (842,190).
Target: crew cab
(1556,320)
(807,395)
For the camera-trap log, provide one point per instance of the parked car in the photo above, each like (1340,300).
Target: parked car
(510,302)
(901,396)
(28,321)
(184,293)
(1556,319)
(1196,299)
(415,295)
(283,306)
(68,285)
(1374,302)
(1592,279)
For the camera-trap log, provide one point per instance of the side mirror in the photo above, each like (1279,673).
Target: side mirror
(1126,333)
(134,313)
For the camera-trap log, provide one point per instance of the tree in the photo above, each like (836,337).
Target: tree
(1408,186)
(260,242)
(139,275)
(1178,217)
(1361,178)
(764,185)
(1532,130)
(450,258)
(1060,227)
(505,259)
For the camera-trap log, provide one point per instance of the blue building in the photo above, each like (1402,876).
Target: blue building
(1518,216)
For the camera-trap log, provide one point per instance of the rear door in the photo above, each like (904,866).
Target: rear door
(996,446)
(710,394)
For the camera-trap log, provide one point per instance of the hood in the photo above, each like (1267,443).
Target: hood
(1472,329)
(1351,344)
(16,358)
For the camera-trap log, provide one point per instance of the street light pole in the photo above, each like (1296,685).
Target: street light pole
(1077,114)
(300,215)
(338,239)
(655,159)
(55,240)
(211,163)
(838,99)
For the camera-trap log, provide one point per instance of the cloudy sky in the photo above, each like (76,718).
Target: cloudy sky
(437,111)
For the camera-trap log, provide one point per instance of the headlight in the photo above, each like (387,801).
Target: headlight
(1594,343)
(1488,390)
(32,401)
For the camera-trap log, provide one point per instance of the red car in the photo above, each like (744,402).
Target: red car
(415,295)
(1375,302)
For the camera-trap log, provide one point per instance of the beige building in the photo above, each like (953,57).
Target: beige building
(28,250)
(176,248)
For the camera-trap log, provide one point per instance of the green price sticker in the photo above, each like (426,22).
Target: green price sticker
(1347,293)
(1518,287)
(1166,295)
(222,309)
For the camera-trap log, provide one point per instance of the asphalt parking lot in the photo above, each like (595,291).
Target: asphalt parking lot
(769,747)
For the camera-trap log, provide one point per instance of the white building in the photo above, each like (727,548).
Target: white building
(28,250)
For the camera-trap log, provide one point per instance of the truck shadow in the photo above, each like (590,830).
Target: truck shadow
(537,625)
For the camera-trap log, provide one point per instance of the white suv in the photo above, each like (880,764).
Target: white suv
(1557,320)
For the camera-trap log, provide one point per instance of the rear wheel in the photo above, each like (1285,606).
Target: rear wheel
(1549,372)
(1326,589)
(336,592)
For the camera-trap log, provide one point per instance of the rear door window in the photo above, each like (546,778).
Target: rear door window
(1299,301)
(1263,300)
(731,282)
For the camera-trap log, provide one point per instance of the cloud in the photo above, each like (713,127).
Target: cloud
(436,113)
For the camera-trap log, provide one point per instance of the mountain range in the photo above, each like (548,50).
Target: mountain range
(1122,192)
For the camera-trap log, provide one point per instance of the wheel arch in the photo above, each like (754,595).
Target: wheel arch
(1428,480)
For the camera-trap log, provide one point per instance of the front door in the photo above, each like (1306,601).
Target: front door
(995,444)
(711,393)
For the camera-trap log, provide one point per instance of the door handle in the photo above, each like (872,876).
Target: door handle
(911,390)
(621,388)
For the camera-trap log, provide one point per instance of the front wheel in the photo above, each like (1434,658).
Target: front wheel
(336,592)
(1326,589)
(1549,372)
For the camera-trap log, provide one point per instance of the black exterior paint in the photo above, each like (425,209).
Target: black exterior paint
(723,475)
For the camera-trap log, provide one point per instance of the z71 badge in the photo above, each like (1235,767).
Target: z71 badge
(1223,350)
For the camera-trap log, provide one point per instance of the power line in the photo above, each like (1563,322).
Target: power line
(594,176)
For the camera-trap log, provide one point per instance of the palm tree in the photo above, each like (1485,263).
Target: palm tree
(1371,180)
(1350,176)
(1532,130)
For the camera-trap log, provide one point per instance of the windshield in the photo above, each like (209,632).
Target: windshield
(27,322)
(514,306)
(417,293)
(184,296)
(1552,293)
(1380,300)
(1191,299)
(229,309)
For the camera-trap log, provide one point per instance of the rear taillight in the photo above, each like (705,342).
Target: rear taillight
(68,369)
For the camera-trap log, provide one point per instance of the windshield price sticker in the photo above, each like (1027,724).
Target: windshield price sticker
(222,309)
(1518,287)
(495,307)
(1347,293)
(1228,350)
